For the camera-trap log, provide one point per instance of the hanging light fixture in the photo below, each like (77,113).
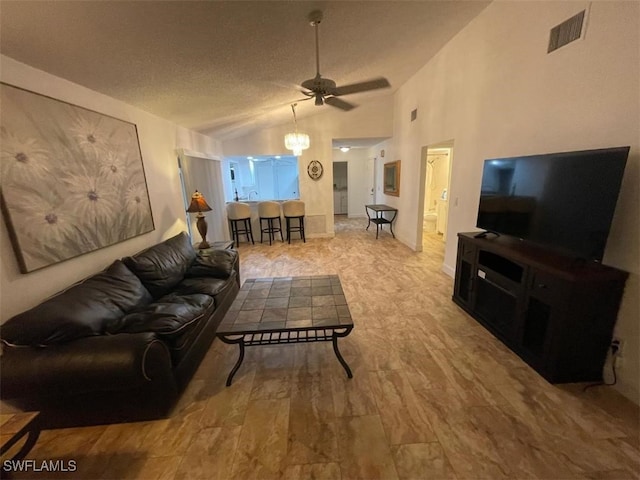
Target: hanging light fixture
(296,141)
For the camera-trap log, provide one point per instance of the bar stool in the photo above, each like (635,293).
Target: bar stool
(239,215)
(294,209)
(270,211)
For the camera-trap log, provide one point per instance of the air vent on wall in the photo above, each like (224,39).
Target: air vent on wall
(566,32)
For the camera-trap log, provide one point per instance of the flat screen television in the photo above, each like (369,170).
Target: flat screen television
(565,201)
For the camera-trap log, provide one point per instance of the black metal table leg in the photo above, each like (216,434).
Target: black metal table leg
(391,223)
(240,342)
(334,340)
(32,432)
(238,363)
(32,438)
(366,210)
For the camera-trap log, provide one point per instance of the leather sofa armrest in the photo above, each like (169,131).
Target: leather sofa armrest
(216,263)
(91,364)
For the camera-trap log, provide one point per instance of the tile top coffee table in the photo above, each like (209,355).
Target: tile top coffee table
(273,311)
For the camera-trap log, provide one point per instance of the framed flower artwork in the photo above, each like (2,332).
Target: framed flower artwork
(72,179)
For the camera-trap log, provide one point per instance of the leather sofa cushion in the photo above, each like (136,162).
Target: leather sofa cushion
(82,310)
(166,317)
(162,266)
(216,264)
(205,286)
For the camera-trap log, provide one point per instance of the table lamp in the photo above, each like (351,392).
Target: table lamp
(199,205)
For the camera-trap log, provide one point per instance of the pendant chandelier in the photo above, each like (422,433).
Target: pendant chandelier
(296,141)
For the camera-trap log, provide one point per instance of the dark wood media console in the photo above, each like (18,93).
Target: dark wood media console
(556,313)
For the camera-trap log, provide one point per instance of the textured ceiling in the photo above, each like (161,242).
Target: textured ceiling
(226,67)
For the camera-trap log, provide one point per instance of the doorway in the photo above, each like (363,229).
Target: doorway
(340,188)
(203,173)
(436,167)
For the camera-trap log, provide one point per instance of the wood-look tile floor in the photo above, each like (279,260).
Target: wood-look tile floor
(434,395)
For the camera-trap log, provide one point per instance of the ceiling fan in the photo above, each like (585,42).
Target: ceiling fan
(325,90)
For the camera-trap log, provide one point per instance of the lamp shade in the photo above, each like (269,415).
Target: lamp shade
(198,203)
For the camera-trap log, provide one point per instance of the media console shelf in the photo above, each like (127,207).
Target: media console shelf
(556,313)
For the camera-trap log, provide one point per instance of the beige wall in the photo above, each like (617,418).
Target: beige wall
(495,92)
(159,140)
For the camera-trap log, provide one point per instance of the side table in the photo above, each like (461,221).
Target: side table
(379,218)
(13,427)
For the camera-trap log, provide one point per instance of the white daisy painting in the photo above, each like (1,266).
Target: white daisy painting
(72,179)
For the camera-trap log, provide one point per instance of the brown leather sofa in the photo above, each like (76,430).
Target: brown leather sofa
(120,345)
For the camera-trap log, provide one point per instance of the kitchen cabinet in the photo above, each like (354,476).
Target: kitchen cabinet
(340,202)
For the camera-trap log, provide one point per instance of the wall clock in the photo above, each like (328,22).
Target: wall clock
(314,169)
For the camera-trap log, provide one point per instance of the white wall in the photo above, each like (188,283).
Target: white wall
(370,120)
(495,91)
(159,140)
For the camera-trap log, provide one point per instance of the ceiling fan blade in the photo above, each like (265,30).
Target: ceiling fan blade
(362,86)
(339,103)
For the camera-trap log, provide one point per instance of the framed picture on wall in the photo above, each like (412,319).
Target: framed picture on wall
(72,179)
(391,180)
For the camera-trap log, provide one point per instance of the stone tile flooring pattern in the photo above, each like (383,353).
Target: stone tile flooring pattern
(434,395)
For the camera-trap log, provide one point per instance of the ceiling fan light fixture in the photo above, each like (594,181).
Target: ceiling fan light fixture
(297,142)
(325,90)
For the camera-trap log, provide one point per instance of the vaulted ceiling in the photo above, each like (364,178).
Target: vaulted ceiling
(227,67)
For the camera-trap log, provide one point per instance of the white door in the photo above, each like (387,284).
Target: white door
(371,177)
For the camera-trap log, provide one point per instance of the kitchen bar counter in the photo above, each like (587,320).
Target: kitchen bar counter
(255,218)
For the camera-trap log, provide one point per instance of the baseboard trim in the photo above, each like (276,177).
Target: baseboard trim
(320,235)
(448,270)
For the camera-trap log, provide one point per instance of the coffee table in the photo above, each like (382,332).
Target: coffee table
(287,310)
